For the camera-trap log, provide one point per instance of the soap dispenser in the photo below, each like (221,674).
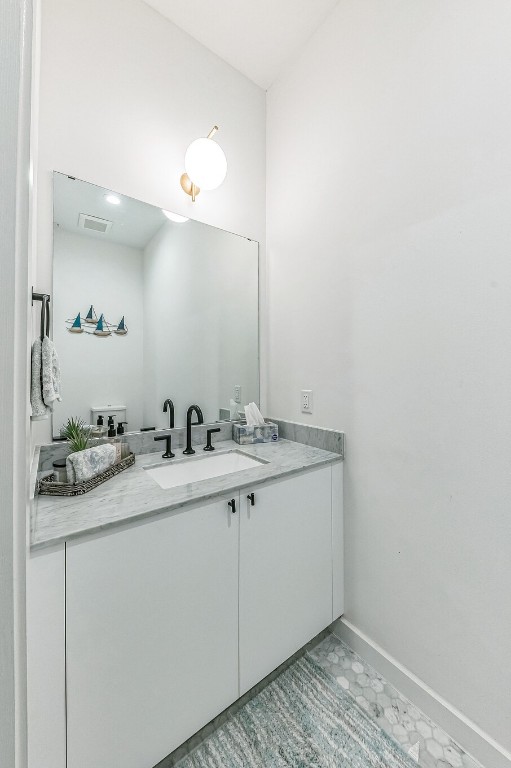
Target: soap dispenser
(100,421)
(115,442)
(125,449)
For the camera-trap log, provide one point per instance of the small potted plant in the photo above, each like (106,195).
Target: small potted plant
(77,434)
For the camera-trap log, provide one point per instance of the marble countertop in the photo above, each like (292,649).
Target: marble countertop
(133,494)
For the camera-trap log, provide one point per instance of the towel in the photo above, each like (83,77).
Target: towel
(50,372)
(85,464)
(39,409)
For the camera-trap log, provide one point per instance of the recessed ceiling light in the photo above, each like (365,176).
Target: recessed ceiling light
(113,199)
(175,217)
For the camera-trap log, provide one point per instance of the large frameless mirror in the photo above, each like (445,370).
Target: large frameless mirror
(149,306)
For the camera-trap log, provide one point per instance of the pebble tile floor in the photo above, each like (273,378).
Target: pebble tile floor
(394,714)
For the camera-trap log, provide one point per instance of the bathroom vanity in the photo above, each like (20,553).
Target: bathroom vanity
(159,598)
(153,609)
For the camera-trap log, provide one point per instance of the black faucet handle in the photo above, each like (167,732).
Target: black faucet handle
(209,447)
(168,452)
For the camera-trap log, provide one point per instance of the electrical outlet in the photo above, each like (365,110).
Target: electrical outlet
(306,400)
(237,393)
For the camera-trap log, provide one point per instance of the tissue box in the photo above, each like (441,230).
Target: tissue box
(248,435)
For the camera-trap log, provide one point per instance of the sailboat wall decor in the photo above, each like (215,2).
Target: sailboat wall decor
(91,316)
(102,328)
(77,325)
(122,328)
(91,324)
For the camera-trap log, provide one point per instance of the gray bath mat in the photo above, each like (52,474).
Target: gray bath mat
(303,719)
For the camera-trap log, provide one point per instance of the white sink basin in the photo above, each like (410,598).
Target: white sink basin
(183,471)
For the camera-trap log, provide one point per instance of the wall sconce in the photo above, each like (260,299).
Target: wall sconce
(205,165)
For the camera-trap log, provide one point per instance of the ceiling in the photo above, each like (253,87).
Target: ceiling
(133,223)
(257,37)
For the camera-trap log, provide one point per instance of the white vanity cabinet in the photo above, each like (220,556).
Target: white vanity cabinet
(159,625)
(285,570)
(151,635)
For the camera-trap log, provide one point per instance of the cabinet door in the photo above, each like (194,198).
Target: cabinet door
(152,636)
(285,571)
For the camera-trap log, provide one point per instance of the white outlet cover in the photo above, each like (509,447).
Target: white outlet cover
(306,400)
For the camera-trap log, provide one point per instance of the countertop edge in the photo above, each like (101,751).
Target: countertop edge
(37,546)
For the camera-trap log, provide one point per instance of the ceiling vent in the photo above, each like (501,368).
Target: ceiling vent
(94,224)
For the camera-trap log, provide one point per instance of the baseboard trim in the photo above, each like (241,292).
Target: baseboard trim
(473,739)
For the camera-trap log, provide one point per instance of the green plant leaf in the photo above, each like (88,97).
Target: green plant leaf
(77,434)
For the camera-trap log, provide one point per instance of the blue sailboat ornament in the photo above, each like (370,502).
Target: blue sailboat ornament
(102,328)
(91,316)
(77,325)
(122,328)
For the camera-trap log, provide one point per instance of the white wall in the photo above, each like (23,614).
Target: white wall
(389,232)
(15,68)
(200,321)
(98,371)
(122,93)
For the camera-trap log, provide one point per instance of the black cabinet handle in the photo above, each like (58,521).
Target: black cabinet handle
(232,505)
(251,498)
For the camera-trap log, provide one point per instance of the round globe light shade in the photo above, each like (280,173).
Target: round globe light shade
(205,163)
(175,217)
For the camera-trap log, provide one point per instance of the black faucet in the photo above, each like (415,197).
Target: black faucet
(168,405)
(189,450)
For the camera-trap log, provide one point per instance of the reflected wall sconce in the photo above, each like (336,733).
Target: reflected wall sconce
(205,165)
